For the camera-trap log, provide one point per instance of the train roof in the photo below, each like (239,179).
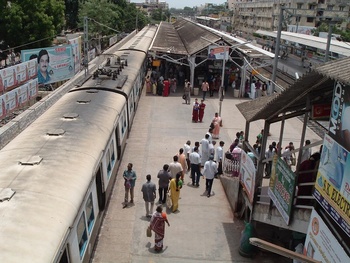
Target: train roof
(48,167)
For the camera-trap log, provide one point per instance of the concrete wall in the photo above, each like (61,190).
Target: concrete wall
(231,187)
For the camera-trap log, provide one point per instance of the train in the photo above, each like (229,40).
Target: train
(57,175)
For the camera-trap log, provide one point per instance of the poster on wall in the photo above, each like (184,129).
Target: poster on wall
(332,186)
(281,187)
(76,47)
(320,243)
(339,123)
(218,52)
(247,177)
(54,63)
(8,78)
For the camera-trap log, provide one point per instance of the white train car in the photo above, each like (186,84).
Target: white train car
(56,176)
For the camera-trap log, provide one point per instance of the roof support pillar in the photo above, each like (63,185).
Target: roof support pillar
(192,63)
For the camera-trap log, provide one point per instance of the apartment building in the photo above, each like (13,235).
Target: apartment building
(251,15)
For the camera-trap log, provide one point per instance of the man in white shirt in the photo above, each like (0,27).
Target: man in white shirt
(268,155)
(210,169)
(195,160)
(220,156)
(306,153)
(187,151)
(205,149)
(175,167)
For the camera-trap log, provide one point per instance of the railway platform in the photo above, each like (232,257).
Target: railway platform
(204,229)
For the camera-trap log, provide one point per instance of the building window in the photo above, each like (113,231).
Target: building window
(321,1)
(311,6)
(329,7)
(299,5)
(310,19)
(341,8)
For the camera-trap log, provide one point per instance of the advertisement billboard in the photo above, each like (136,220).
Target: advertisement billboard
(218,52)
(247,173)
(339,123)
(54,63)
(76,47)
(320,243)
(281,187)
(332,186)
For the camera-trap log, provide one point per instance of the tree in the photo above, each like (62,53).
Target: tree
(30,23)
(71,13)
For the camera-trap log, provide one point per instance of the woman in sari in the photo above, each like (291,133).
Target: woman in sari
(157,224)
(174,188)
(217,121)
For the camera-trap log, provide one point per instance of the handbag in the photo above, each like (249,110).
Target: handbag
(228,155)
(169,203)
(149,231)
(184,96)
(127,185)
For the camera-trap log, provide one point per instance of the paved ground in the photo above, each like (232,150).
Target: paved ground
(205,229)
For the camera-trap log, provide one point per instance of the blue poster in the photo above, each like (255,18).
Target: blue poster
(54,63)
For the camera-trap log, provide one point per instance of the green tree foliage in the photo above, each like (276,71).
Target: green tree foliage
(30,23)
(106,15)
(71,14)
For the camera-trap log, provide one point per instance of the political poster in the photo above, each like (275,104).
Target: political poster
(8,77)
(320,243)
(21,73)
(339,124)
(218,52)
(281,188)
(22,94)
(32,66)
(32,89)
(76,47)
(54,63)
(332,186)
(247,177)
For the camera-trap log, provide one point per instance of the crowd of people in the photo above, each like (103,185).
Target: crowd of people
(201,161)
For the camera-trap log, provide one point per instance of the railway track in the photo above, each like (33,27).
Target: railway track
(283,79)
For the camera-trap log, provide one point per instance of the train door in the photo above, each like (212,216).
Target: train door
(101,195)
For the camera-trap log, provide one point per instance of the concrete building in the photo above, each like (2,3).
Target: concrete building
(149,5)
(251,15)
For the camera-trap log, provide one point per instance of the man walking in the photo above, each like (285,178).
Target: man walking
(210,169)
(175,167)
(187,151)
(130,177)
(205,149)
(195,160)
(220,156)
(149,195)
(182,160)
(205,88)
(163,183)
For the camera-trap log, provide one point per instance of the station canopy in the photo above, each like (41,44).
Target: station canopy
(317,86)
(186,38)
(342,48)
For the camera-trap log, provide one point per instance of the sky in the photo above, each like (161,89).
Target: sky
(183,3)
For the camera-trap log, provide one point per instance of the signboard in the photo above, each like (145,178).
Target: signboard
(8,78)
(54,63)
(76,47)
(320,111)
(281,188)
(247,177)
(320,243)
(339,123)
(332,186)
(218,52)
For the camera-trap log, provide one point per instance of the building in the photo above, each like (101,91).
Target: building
(149,5)
(252,15)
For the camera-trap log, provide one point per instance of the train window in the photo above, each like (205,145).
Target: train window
(64,258)
(111,148)
(108,161)
(82,235)
(90,216)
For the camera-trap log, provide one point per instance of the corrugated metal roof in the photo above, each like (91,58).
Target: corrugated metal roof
(167,40)
(336,46)
(317,86)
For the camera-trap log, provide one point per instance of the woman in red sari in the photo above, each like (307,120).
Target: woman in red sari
(217,122)
(157,224)
(195,111)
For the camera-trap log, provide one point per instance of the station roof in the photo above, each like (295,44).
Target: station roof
(185,37)
(318,85)
(342,48)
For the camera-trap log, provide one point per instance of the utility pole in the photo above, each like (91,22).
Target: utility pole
(277,47)
(86,46)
